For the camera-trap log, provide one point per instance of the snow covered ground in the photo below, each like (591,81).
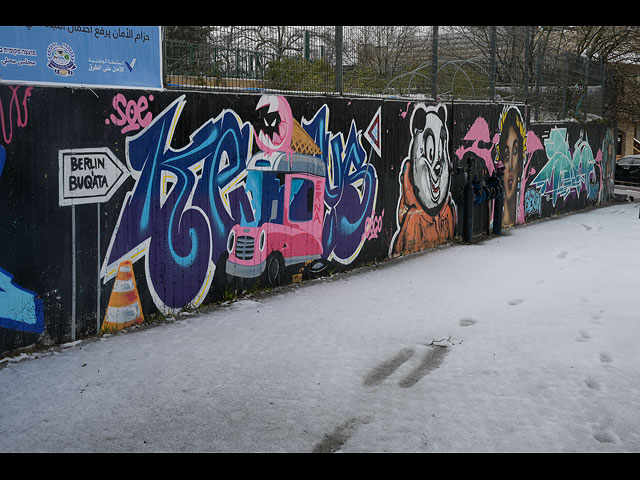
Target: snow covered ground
(523,343)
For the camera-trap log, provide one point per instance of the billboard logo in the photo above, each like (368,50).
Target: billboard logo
(61,59)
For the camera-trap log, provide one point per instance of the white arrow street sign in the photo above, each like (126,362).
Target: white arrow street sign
(89,175)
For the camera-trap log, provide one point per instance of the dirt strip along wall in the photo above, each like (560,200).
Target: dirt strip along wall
(180,198)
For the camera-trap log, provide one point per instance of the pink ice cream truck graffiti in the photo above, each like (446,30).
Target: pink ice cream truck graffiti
(286,191)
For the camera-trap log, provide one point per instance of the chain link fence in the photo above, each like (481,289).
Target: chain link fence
(504,64)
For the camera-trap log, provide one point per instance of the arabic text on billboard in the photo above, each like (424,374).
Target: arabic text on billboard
(126,57)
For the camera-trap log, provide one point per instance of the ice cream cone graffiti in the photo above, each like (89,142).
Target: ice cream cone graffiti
(301,142)
(124,309)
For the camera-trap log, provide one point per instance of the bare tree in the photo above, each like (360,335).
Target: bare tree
(277,40)
(618,47)
(387,49)
(615,49)
(609,43)
(187,33)
(512,44)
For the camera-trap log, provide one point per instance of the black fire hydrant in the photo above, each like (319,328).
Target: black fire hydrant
(476,193)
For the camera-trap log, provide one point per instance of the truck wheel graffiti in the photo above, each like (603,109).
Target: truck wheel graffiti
(274,272)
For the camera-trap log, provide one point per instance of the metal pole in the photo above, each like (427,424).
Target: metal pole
(339,46)
(586,88)
(164,55)
(492,80)
(527,57)
(98,276)
(565,84)
(237,63)
(498,204)
(602,87)
(434,63)
(467,199)
(73,273)
(538,66)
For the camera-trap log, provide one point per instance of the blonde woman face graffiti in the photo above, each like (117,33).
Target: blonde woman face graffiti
(511,160)
(511,151)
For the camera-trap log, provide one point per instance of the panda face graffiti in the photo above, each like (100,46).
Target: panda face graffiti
(429,156)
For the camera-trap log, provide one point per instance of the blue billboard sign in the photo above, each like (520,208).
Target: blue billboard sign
(89,56)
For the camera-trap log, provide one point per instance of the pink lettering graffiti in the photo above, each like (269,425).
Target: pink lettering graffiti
(14,104)
(481,143)
(373,226)
(403,114)
(132,117)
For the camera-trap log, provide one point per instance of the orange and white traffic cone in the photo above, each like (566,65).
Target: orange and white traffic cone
(124,309)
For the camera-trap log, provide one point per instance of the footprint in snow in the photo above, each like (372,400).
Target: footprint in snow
(385,369)
(605,358)
(592,384)
(606,436)
(584,336)
(334,441)
(431,359)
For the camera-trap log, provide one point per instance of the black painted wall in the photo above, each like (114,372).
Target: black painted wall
(371,211)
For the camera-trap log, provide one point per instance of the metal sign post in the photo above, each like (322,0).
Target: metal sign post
(87,175)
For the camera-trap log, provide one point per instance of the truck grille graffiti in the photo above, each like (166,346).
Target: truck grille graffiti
(244,247)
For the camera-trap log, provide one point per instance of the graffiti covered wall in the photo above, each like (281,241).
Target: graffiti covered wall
(568,167)
(119,205)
